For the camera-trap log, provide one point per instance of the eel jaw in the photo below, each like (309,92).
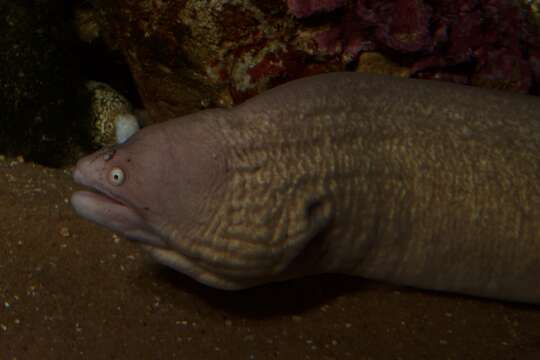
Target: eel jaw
(106,211)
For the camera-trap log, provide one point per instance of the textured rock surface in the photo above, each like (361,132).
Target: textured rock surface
(189,54)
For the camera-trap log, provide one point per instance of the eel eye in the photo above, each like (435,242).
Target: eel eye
(116,176)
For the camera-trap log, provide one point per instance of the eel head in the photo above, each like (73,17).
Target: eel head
(159,179)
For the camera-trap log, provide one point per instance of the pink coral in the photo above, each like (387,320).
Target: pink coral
(503,69)
(406,29)
(303,8)
(348,38)
(402,25)
(485,42)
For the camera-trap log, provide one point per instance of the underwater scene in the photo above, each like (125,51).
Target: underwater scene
(279,179)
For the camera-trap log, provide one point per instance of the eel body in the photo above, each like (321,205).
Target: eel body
(418,183)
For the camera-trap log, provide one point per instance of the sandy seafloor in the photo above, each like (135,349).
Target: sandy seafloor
(69,290)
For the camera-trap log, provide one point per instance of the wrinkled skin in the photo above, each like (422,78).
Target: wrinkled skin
(413,182)
(141,208)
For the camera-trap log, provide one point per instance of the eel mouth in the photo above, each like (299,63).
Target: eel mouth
(101,207)
(99,197)
(93,192)
(109,211)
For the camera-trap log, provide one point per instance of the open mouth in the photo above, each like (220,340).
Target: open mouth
(92,193)
(106,210)
(98,196)
(96,203)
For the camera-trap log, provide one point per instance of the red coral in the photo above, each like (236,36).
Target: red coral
(406,29)
(330,41)
(303,8)
(347,38)
(401,25)
(502,69)
(457,40)
(266,67)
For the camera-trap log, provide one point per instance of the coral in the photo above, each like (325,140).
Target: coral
(303,8)
(257,69)
(189,54)
(400,25)
(481,42)
(377,63)
(502,69)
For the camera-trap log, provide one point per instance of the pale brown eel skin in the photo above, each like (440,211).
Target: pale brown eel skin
(419,183)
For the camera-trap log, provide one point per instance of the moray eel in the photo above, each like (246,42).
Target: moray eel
(413,182)
(112,118)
